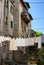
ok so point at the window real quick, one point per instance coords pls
(6, 20)
(36, 45)
(4, 48)
(22, 24)
(6, 3)
(24, 27)
(11, 9)
(30, 25)
(11, 24)
(0, 22)
(6, 11)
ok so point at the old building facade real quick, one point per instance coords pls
(15, 18)
(15, 22)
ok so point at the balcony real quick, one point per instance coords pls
(19, 42)
(26, 17)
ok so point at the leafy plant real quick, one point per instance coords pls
(37, 33)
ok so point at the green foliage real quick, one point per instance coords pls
(37, 33)
(41, 51)
(43, 59)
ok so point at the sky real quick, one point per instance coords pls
(37, 12)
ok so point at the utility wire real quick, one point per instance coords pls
(38, 29)
(36, 2)
(38, 18)
(30, 2)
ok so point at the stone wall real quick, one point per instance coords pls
(1, 16)
(10, 18)
(16, 19)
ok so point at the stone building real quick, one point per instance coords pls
(22, 19)
(15, 22)
(15, 18)
(6, 17)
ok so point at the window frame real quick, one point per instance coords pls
(11, 24)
